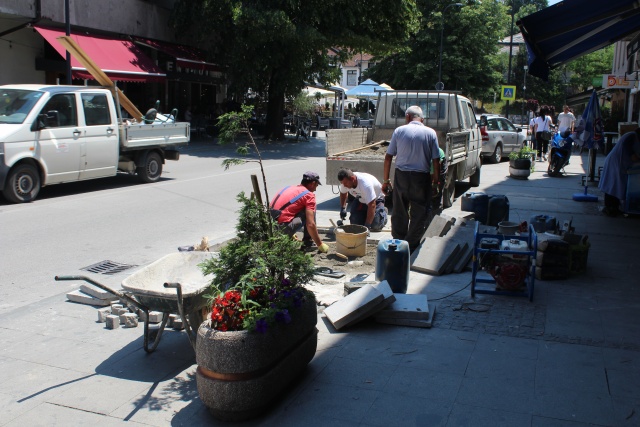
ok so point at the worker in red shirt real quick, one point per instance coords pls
(295, 208)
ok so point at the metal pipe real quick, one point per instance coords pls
(68, 32)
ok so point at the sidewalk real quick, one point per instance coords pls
(569, 358)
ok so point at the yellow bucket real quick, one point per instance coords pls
(351, 240)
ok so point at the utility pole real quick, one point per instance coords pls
(68, 31)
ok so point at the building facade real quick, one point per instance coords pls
(178, 76)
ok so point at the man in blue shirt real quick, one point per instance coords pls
(415, 147)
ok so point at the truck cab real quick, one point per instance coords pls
(57, 134)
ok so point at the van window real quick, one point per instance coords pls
(61, 111)
(468, 118)
(96, 109)
(433, 108)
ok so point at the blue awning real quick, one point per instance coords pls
(572, 28)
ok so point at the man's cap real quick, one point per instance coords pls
(311, 176)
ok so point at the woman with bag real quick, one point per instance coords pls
(542, 127)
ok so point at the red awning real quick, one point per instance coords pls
(186, 56)
(121, 60)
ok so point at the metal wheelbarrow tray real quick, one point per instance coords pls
(172, 284)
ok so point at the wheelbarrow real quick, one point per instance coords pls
(174, 283)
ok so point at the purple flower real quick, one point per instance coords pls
(287, 294)
(261, 326)
(286, 282)
(283, 316)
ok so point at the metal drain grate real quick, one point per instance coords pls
(108, 267)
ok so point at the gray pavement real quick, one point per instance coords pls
(569, 358)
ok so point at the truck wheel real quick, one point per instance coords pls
(152, 168)
(23, 184)
(474, 180)
(448, 191)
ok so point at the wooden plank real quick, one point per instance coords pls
(99, 75)
(353, 150)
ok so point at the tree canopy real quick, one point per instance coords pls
(274, 47)
(470, 45)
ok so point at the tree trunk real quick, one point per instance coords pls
(274, 128)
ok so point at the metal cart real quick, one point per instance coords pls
(518, 266)
(172, 284)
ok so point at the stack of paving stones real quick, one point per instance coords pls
(115, 313)
(376, 300)
(447, 246)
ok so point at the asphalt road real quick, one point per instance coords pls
(72, 226)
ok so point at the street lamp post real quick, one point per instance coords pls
(524, 92)
(440, 85)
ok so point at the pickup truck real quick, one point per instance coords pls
(57, 134)
(452, 117)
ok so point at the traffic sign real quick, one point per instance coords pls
(508, 93)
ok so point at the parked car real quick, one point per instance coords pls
(499, 138)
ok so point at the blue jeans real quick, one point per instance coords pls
(359, 214)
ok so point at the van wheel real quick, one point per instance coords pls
(449, 189)
(152, 168)
(23, 184)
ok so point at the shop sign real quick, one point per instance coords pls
(611, 81)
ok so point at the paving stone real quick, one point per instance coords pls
(155, 316)
(98, 293)
(350, 287)
(103, 313)
(178, 323)
(354, 307)
(418, 323)
(129, 320)
(439, 226)
(113, 321)
(115, 308)
(389, 297)
(433, 256)
(142, 316)
(82, 298)
(407, 306)
(172, 318)
(122, 311)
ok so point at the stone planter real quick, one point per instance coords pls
(520, 168)
(240, 373)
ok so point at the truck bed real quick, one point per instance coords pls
(138, 135)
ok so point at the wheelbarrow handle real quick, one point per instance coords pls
(120, 295)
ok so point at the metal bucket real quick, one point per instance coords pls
(508, 227)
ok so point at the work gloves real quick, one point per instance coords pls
(324, 248)
(343, 213)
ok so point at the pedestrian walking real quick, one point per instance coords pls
(566, 120)
(415, 147)
(542, 129)
(367, 208)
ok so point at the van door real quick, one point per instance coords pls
(58, 145)
(474, 143)
(100, 147)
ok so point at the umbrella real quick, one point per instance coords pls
(386, 86)
(311, 91)
(366, 88)
(590, 128)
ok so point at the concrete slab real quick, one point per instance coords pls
(98, 293)
(406, 306)
(354, 307)
(82, 298)
(439, 226)
(389, 297)
(433, 256)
